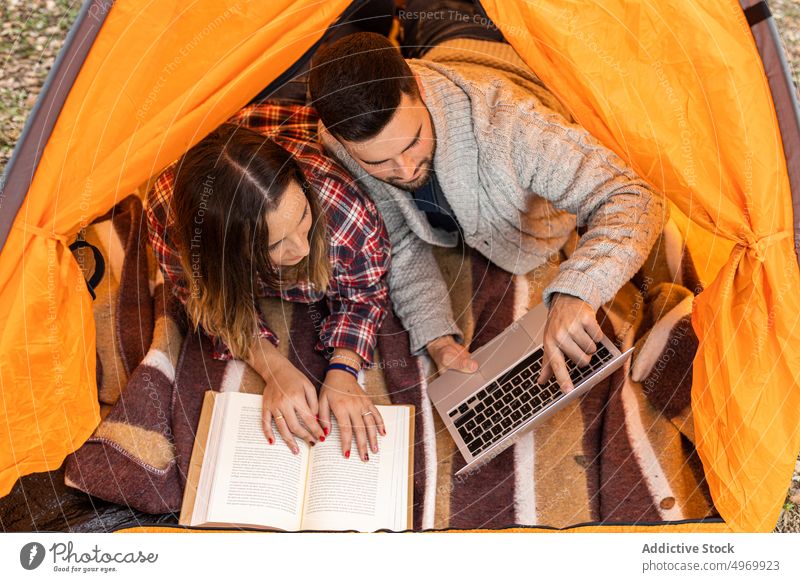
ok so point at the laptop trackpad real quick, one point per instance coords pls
(503, 351)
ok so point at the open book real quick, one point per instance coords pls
(236, 478)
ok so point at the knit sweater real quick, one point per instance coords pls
(519, 177)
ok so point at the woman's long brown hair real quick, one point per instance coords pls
(224, 188)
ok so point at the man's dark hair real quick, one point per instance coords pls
(356, 84)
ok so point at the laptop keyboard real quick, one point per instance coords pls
(513, 398)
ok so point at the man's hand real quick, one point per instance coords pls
(572, 331)
(451, 355)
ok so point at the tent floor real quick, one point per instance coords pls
(42, 503)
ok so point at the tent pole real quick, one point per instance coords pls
(784, 96)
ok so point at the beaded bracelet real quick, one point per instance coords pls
(345, 368)
(345, 358)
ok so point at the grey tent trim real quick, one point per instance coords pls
(21, 168)
(784, 97)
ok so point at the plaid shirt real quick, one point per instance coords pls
(359, 246)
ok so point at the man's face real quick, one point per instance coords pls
(401, 154)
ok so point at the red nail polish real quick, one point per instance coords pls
(322, 439)
(347, 454)
(326, 430)
(271, 440)
(313, 443)
(366, 457)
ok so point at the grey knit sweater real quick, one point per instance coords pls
(517, 175)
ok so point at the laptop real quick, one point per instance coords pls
(488, 410)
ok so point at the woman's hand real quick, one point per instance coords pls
(290, 398)
(354, 411)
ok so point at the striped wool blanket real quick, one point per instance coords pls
(621, 454)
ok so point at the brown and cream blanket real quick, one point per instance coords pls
(622, 454)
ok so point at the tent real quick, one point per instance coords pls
(694, 95)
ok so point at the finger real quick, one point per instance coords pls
(379, 424)
(571, 350)
(450, 355)
(545, 373)
(312, 427)
(447, 359)
(468, 365)
(283, 429)
(372, 430)
(593, 328)
(457, 358)
(345, 432)
(266, 425)
(325, 414)
(361, 435)
(560, 370)
(295, 426)
(584, 341)
(311, 398)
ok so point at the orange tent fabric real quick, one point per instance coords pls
(673, 88)
(678, 89)
(128, 115)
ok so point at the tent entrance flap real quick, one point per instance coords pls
(127, 114)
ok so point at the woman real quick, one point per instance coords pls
(255, 209)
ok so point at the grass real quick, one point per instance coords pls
(31, 35)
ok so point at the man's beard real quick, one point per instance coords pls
(418, 183)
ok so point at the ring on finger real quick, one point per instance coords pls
(367, 413)
(279, 417)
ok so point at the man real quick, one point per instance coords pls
(466, 144)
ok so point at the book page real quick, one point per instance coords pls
(255, 483)
(209, 458)
(349, 494)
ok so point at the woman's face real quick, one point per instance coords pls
(289, 226)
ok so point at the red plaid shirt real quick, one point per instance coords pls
(359, 246)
